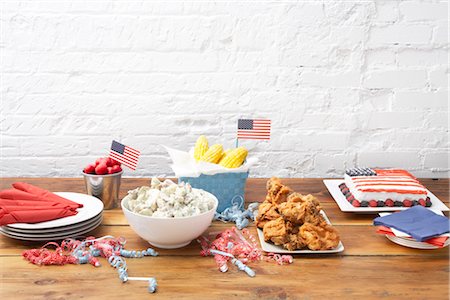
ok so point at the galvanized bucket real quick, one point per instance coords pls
(104, 187)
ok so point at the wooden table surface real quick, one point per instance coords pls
(370, 267)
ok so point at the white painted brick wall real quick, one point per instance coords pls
(346, 83)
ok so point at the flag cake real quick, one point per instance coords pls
(383, 187)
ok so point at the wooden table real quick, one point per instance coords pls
(370, 267)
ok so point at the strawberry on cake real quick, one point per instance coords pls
(383, 187)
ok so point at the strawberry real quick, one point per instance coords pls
(101, 169)
(373, 203)
(110, 170)
(98, 161)
(90, 169)
(422, 202)
(116, 169)
(389, 202)
(115, 162)
(356, 203)
(407, 203)
(109, 162)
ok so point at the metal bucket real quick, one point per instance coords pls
(104, 187)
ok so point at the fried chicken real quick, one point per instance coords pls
(300, 212)
(276, 231)
(266, 212)
(323, 237)
(294, 220)
(276, 191)
(297, 197)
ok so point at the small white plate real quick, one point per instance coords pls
(269, 247)
(345, 206)
(55, 237)
(91, 207)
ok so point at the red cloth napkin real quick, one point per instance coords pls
(18, 195)
(34, 215)
(436, 241)
(13, 202)
(44, 194)
(30, 204)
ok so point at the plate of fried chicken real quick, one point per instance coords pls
(289, 222)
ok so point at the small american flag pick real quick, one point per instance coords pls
(125, 155)
(254, 129)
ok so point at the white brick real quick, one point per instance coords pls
(421, 100)
(419, 11)
(421, 58)
(380, 57)
(396, 79)
(440, 33)
(401, 139)
(332, 163)
(437, 160)
(387, 11)
(438, 120)
(439, 78)
(388, 120)
(408, 160)
(378, 100)
(327, 79)
(401, 34)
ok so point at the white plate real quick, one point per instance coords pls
(402, 234)
(269, 247)
(54, 238)
(414, 244)
(91, 207)
(54, 231)
(345, 206)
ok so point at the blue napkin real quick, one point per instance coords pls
(419, 222)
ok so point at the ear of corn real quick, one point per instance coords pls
(201, 146)
(213, 155)
(225, 153)
(235, 158)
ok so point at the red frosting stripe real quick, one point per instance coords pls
(393, 172)
(415, 192)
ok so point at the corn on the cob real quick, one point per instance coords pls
(213, 155)
(225, 153)
(235, 158)
(201, 146)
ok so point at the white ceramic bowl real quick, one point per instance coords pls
(169, 233)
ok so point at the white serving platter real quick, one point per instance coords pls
(345, 206)
(92, 206)
(47, 237)
(269, 247)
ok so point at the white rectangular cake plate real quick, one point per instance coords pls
(271, 248)
(345, 206)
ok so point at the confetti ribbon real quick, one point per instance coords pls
(73, 251)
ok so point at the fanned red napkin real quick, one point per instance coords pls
(18, 195)
(30, 204)
(44, 194)
(436, 241)
(34, 216)
(13, 202)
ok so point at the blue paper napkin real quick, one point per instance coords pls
(419, 222)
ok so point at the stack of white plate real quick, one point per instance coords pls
(406, 240)
(87, 219)
(412, 243)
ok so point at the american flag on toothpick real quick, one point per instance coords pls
(125, 155)
(254, 129)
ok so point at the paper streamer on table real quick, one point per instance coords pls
(184, 165)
